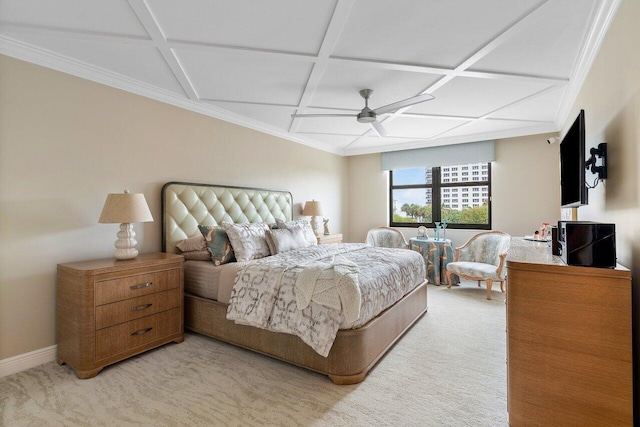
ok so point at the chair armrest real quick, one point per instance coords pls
(501, 265)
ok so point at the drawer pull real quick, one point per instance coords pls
(141, 307)
(141, 285)
(141, 331)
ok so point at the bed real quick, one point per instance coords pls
(358, 345)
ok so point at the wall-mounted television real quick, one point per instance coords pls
(573, 187)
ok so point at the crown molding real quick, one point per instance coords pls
(604, 16)
(546, 127)
(26, 52)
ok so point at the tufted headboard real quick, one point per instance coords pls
(186, 205)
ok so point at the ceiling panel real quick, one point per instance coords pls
(437, 33)
(547, 45)
(340, 84)
(279, 117)
(487, 94)
(332, 125)
(336, 141)
(542, 108)
(114, 16)
(484, 126)
(281, 25)
(220, 76)
(423, 127)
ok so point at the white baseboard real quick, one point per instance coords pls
(25, 361)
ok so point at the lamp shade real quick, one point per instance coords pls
(312, 208)
(125, 208)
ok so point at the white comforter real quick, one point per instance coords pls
(265, 294)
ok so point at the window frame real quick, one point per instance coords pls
(438, 183)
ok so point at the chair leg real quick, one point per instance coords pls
(478, 283)
(489, 284)
(448, 279)
(502, 286)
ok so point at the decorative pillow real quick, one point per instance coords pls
(283, 240)
(309, 235)
(248, 240)
(195, 243)
(218, 243)
(203, 255)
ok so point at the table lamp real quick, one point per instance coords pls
(125, 208)
(314, 210)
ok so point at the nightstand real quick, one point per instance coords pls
(109, 310)
(330, 238)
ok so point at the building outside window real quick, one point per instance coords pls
(422, 196)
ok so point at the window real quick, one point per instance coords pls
(422, 196)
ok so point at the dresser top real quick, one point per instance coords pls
(105, 265)
(522, 252)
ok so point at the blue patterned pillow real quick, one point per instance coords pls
(218, 243)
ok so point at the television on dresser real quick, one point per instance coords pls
(573, 187)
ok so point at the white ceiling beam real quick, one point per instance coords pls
(150, 24)
(338, 20)
(46, 31)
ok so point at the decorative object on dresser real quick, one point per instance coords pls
(481, 258)
(125, 208)
(108, 310)
(569, 341)
(326, 226)
(329, 238)
(314, 210)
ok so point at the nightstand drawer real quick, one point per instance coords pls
(128, 336)
(134, 308)
(107, 291)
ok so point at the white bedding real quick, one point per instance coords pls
(264, 293)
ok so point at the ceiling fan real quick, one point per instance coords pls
(367, 115)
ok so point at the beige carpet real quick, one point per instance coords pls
(448, 370)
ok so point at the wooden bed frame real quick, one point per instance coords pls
(354, 351)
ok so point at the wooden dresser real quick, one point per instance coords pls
(108, 310)
(568, 341)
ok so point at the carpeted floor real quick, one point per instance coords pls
(448, 370)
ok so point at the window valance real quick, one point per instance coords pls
(445, 155)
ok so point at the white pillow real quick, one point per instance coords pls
(283, 240)
(309, 235)
(248, 240)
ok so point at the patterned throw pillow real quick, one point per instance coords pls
(248, 240)
(309, 235)
(218, 243)
(283, 240)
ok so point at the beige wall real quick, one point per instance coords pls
(610, 97)
(66, 142)
(525, 190)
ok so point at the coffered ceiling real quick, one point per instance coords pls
(497, 68)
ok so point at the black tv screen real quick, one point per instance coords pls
(572, 160)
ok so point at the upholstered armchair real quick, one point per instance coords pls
(482, 258)
(386, 237)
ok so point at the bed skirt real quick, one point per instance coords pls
(354, 351)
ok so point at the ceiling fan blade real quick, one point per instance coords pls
(404, 103)
(323, 115)
(378, 128)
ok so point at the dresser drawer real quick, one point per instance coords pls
(127, 336)
(107, 291)
(134, 308)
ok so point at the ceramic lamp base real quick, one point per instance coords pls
(126, 243)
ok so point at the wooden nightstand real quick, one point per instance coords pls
(108, 310)
(331, 238)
